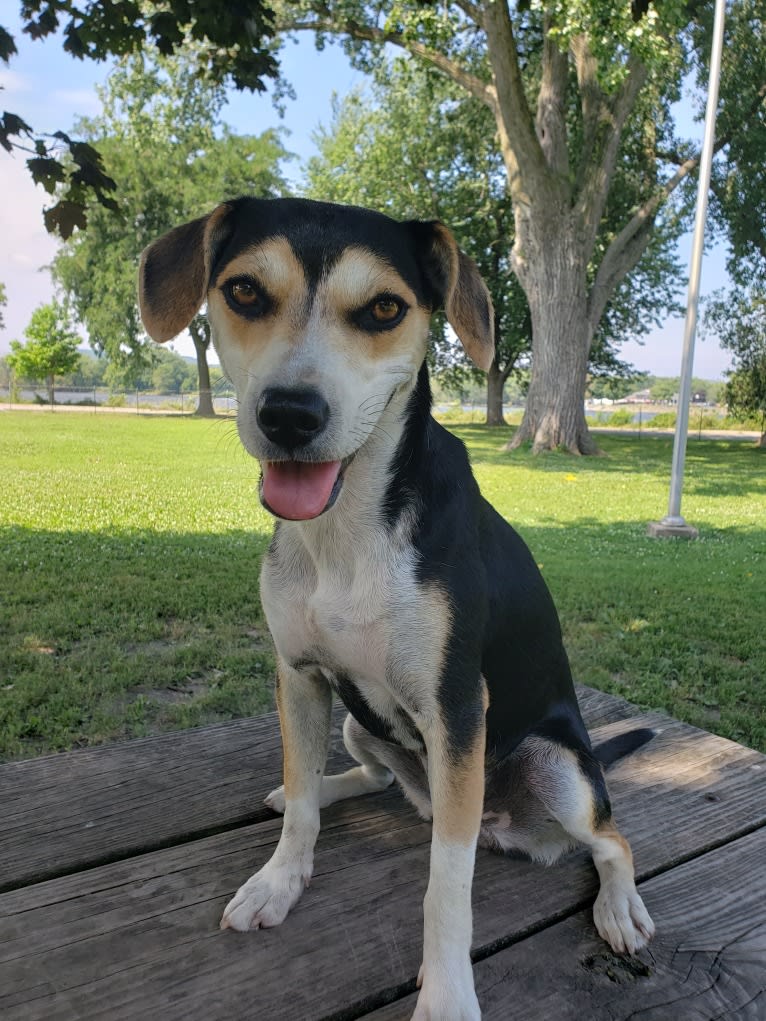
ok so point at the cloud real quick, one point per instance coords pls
(26, 248)
(14, 82)
(84, 101)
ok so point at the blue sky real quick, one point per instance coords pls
(50, 89)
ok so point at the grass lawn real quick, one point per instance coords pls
(129, 553)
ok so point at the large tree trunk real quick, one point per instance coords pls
(495, 383)
(50, 380)
(200, 333)
(554, 280)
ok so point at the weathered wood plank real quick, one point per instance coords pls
(64, 812)
(92, 806)
(138, 938)
(707, 961)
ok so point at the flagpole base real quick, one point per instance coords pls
(672, 528)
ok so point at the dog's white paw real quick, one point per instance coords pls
(276, 800)
(265, 899)
(446, 998)
(622, 920)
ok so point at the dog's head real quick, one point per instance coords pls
(320, 316)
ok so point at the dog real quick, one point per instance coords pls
(390, 582)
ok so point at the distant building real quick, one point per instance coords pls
(639, 397)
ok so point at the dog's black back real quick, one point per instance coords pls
(500, 600)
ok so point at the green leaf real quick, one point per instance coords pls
(47, 171)
(64, 217)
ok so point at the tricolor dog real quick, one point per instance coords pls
(390, 581)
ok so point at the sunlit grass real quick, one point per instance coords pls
(130, 550)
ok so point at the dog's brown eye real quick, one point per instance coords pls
(247, 297)
(385, 310)
(243, 293)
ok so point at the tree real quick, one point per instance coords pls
(51, 348)
(746, 393)
(738, 184)
(664, 388)
(576, 89)
(3, 303)
(615, 387)
(738, 201)
(422, 148)
(160, 134)
(740, 323)
(88, 373)
(231, 42)
(173, 375)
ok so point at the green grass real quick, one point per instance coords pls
(131, 546)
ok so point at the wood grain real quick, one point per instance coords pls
(707, 962)
(138, 938)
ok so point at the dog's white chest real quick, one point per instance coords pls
(341, 615)
(363, 619)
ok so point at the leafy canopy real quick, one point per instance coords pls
(232, 42)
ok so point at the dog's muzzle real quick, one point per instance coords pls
(296, 487)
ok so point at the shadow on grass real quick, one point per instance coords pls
(668, 623)
(107, 636)
(116, 635)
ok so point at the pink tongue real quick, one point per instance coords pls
(298, 490)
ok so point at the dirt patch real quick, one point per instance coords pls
(181, 694)
(259, 637)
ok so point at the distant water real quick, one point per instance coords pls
(592, 413)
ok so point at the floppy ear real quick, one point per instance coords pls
(174, 274)
(459, 289)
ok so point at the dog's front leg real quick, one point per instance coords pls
(304, 702)
(456, 780)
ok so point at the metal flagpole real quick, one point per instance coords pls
(673, 524)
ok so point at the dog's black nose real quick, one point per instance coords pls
(291, 418)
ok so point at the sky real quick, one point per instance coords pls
(50, 89)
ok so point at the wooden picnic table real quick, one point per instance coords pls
(116, 862)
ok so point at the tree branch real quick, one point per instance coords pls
(551, 123)
(628, 246)
(606, 120)
(615, 266)
(528, 170)
(591, 99)
(611, 270)
(371, 33)
(472, 11)
(670, 156)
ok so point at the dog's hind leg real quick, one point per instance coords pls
(568, 788)
(383, 757)
(379, 762)
(581, 805)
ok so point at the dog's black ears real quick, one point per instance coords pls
(174, 273)
(458, 288)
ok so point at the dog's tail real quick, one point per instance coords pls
(608, 752)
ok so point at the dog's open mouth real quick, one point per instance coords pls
(300, 490)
